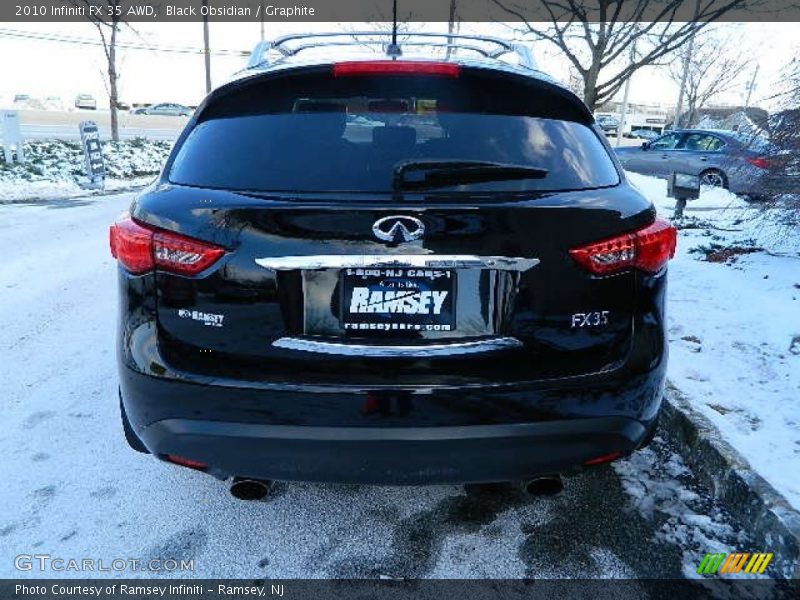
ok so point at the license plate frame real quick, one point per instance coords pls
(415, 306)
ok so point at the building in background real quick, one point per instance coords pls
(648, 117)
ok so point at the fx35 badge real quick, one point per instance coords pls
(596, 318)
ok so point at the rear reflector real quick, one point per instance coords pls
(140, 248)
(647, 249)
(598, 460)
(395, 67)
(186, 462)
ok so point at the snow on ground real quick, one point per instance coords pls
(734, 325)
(75, 490)
(54, 169)
(660, 485)
(38, 191)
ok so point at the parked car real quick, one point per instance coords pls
(742, 164)
(85, 102)
(307, 296)
(28, 102)
(53, 103)
(608, 124)
(167, 109)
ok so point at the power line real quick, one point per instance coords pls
(66, 39)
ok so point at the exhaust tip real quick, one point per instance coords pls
(546, 485)
(250, 489)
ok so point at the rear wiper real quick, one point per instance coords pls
(441, 173)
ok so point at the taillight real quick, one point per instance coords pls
(131, 244)
(760, 162)
(141, 248)
(647, 249)
(182, 255)
(395, 67)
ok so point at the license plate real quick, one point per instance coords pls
(398, 299)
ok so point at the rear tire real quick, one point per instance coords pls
(130, 435)
(714, 178)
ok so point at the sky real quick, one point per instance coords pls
(49, 68)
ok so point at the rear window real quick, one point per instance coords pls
(316, 133)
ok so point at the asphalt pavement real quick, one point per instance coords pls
(73, 489)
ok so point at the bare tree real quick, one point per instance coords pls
(107, 16)
(712, 68)
(596, 35)
(784, 126)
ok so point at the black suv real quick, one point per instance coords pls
(391, 270)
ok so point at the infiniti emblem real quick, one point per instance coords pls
(398, 229)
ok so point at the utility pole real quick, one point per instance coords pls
(624, 113)
(750, 87)
(687, 59)
(451, 26)
(262, 20)
(206, 48)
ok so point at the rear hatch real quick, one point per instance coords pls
(394, 224)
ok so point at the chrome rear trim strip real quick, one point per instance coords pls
(370, 261)
(398, 351)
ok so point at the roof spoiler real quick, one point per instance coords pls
(488, 47)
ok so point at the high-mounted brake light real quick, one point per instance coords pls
(395, 67)
(140, 248)
(647, 249)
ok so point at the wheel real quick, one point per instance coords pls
(714, 178)
(130, 435)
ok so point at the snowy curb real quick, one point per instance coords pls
(769, 520)
(86, 194)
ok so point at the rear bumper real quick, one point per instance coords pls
(405, 456)
(422, 436)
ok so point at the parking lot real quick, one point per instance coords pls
(74, 489)
(63, 125)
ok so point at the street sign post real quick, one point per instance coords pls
(93, 154)
(12, 137)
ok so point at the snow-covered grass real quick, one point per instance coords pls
(54, 168)
(734, 324)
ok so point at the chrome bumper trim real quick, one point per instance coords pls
(398, 351)
(371, 261)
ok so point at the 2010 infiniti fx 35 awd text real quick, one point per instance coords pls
(393, 270)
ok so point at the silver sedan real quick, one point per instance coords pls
(743, 164)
